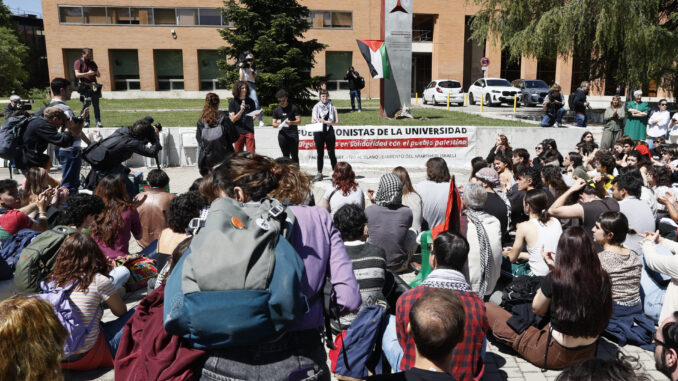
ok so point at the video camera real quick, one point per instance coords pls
(25, 105)
(243, 61)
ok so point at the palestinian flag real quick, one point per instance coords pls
(374, 52)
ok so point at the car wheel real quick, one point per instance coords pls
(423, 99)
(525, 102)
(471, 101)
(488, 100)
(433, 100)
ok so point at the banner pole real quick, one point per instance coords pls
(382, 36)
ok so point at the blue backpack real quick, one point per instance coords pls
(11, 133)
(361, 347)
(67, 313)
(11, 247)
(240, 281)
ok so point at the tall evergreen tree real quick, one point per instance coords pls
(272, 30)
(13, 55)
(631, 42)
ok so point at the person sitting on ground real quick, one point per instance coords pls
(553, 182)
(114, 227)
(497, 203)
(344, 190)
(153, 208)
(627, 146)
(501, 146)
(551, 145)
(448, 258)
(576, 293)
(37, 181)
(526, 179)
(666, 349)
(520, 155)
(504, 167)
(13, 218)
(624, 266)
(369, 261)
(437, 327)
(411, 198)
(434, 192)
(663, 264)
(389, 221)
(484, 236)
(541, 231)
(31, 340)
(80, 260)
(646, 193)
(620, 367)
(627, 189)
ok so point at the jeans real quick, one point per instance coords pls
(94, 103)
(295, 357)
(253, 96)
(390, 345)
(549, 120)
(355, 94)
(582, 119)
(71, 162)
(652, 293)
(113, 330)
(289, 145)
(321, 139)
(119, 276)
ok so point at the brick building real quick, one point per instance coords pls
(155, 45)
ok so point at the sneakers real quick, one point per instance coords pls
(99, 124)
(318, 177)
(560, 125)
(261, 123)
(86, 124)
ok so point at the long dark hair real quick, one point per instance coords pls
(538, 202)
(554, 179)
(109, 223)
(78, 258)
(210, 111)
(404, 177)
(582, 291)
(256, 175)
(343, 178)
(615, 223)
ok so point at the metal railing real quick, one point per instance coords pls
(170, 84)
(127, 84)
(422, 35)
(337, 84)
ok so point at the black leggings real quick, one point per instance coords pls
(321, 139)
(289, 145)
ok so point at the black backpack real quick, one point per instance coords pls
(216, 142)
(361, 82)
(570, 100)
(105, 154)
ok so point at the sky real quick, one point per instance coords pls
(24, 6)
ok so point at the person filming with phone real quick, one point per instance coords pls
(239, 110)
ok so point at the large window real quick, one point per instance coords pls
(125, 68)
(336, 66)
(143, 16)
(209, 71)
(169, 69)
(331, 19)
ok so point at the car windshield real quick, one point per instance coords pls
(536, 84)
(498, 82)
(449, 84)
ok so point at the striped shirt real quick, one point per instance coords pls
(89, 302)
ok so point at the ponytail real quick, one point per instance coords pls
(538, 202)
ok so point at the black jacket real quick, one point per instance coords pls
(118, 147)
(353, 82)
(217, 143)
(579, 101)
(38, 135)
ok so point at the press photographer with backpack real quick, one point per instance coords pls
(355, 84)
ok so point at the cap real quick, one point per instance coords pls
(14, 98)
(488, 175)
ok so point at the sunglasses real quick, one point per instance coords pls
(662, 104)
(538, 148)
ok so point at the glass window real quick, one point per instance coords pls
(498, 82)
(208, 69)
(187, 16)
(141, 16)
(125, 69)
(118, 15)
(165, 16)
(169, 69)
(209, 16)
(336, 64)
(94, 15)
(342, 20)
(536, 84)
(70, 15)
(449, 84)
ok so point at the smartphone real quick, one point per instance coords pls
(304, 373)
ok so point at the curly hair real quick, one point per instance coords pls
(256, 175)
(78, 258)
(32, 340)
(109, 223)
(350, 220)
(184, 208)
(343, 178)
(236, 89)
(293, 185)
(554, 179)
(210, 111)
(78, 207)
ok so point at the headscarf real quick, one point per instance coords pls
(390, 191)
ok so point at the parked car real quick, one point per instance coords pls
(533, 91)
(494, 91)
(436, 92)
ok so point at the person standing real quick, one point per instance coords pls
(86, 72)
(215, 134)
(324, 112)
(249, 73)
(355, 84)
(580, 104)
(659, 123)
(238, 108)
(614, 123)
(636, 119)
(287, 117)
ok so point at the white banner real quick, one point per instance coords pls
(386, 146)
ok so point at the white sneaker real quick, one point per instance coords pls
(261, 123)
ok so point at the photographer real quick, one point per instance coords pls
(86, 73)
(108, 155)
(40, 132)
(553, 105)
(14, 108)
(354, 86)
(249, 73)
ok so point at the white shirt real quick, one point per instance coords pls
(659, 124)
(337, 199)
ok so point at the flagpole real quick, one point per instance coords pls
(382, 37)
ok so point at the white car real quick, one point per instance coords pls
(494, 91)
(436, 92)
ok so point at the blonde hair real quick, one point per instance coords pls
(293, 184)
(31, 340)
(556, 87)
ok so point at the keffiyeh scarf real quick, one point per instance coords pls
(485, 249)
(447, 279)
(390, 191)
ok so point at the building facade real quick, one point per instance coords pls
(154, 45)
(32, 33)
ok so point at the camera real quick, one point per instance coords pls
(245, 61)
(77, 120)
(158, 126)
(25, 105)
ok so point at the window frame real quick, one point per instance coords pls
(152, 13)
(310, 19)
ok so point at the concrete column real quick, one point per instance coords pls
(493, 52)
(191, 70)
(528, 67)
(147, 77)
(102, 58)
(564, 73)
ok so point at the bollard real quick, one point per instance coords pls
(416, 98)
(465, 99)
(515, 102)
(481, 101)
(448, 101)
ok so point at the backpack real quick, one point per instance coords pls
(67, 313)
(104, 153)
(41, 111)
(11, 248)
(214, 146)
(241, 269)
(570, 100)
(37, 259)
(361, 82)
(11, 133)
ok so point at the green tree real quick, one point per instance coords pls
(13, 55)
(272, 30)
(632, 42)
